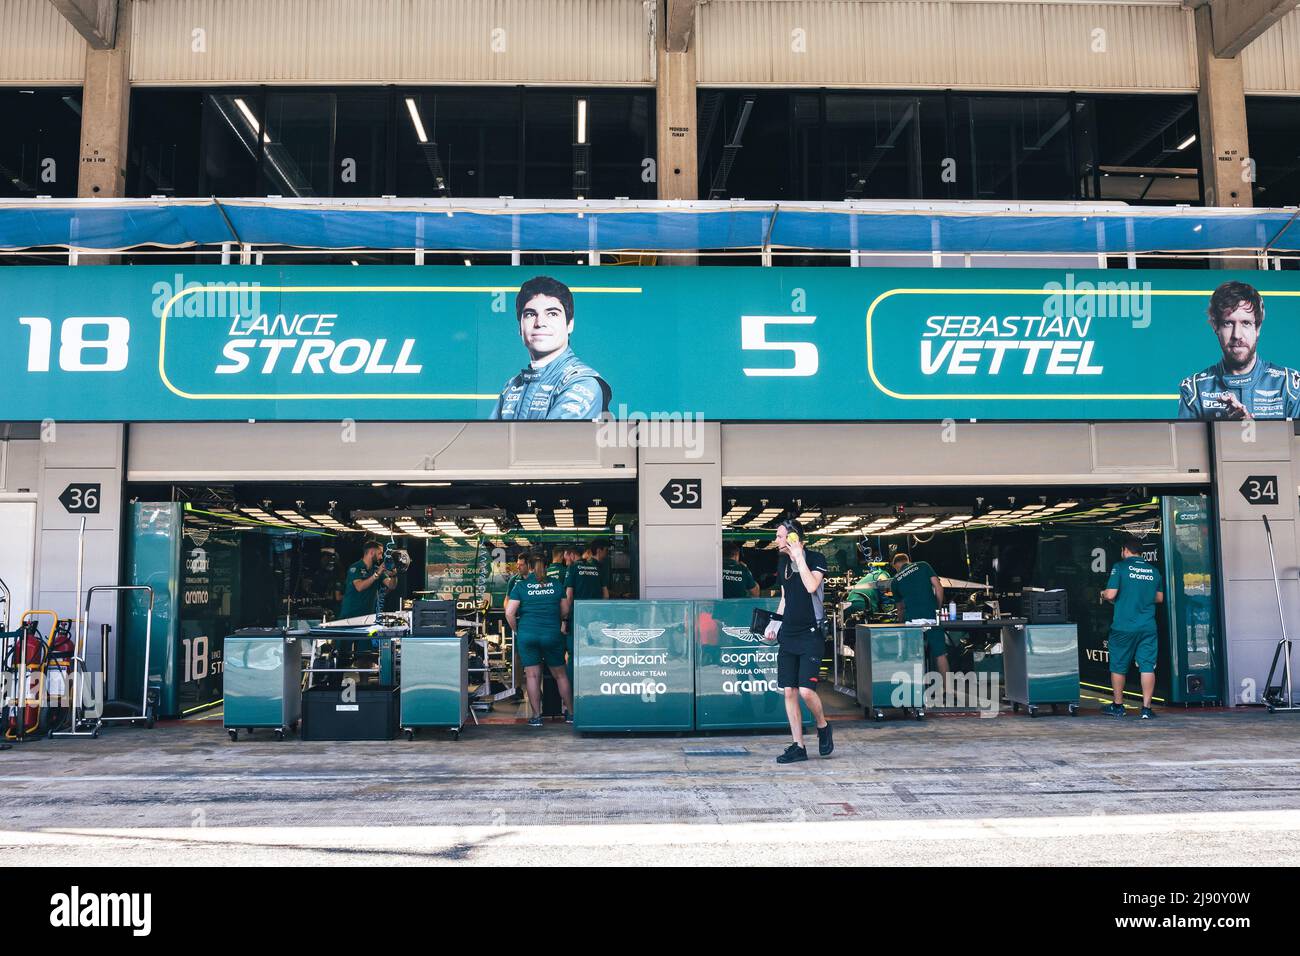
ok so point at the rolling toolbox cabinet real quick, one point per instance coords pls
(434, 684)
(1041, 666)
(263, 680)
(890, 669)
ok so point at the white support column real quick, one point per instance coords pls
(106, 100)
(81, 454)
(679, 492)
(675, 95)
(1243, 451)
(1221, 104)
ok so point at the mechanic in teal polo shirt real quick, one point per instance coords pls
(587, 579)
(362, 577)
(918, 592)
(361, 586)
(534, 611)
(523, 567)
(737, 580)
(559, 566)
(1135, 588)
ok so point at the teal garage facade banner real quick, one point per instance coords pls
(317, 343)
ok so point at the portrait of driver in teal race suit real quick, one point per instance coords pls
(1241, 385)
(555, 384)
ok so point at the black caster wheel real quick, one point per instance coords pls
(1032, 711)
(919, 715)
(1015, 707)
(1074, 710)
(878, 716)
(233, 735)
(279, 734)
(94, 734)
(455, 735)
(1271, 710)
(410, 735)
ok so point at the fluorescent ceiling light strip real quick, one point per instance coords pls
(414, 110)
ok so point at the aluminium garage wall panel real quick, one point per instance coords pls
(392, 41)
(38, 47)
(1272, 63)
(965, 454)
(937, 44)
(378, 451)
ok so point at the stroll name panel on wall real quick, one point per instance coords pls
(411, 343)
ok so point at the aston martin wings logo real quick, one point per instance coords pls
(740, 634)
(632, 635)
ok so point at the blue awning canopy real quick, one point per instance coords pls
(119, 225)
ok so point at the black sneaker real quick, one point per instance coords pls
(1113, 710)
(825, 743)
(568, 717)
(793, 754)
(1147, 714)
(535, 722)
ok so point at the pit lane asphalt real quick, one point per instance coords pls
(1198, 787)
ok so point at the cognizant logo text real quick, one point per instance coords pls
(633, 660)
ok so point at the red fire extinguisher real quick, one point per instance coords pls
(26, 662)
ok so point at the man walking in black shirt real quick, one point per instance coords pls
(801, 634)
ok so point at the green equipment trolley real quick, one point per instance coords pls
(1041, 664)
(434, 684)
(263, 681)
(889, 669)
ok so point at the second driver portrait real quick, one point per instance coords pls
(555, 384)
(1240, 385)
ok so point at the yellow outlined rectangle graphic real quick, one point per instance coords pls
(327, 396)
(871, 368)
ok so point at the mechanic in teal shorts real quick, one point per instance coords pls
(919, 595)
(1135, 588)
(534, 610)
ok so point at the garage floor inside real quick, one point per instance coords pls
(1192, 786)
